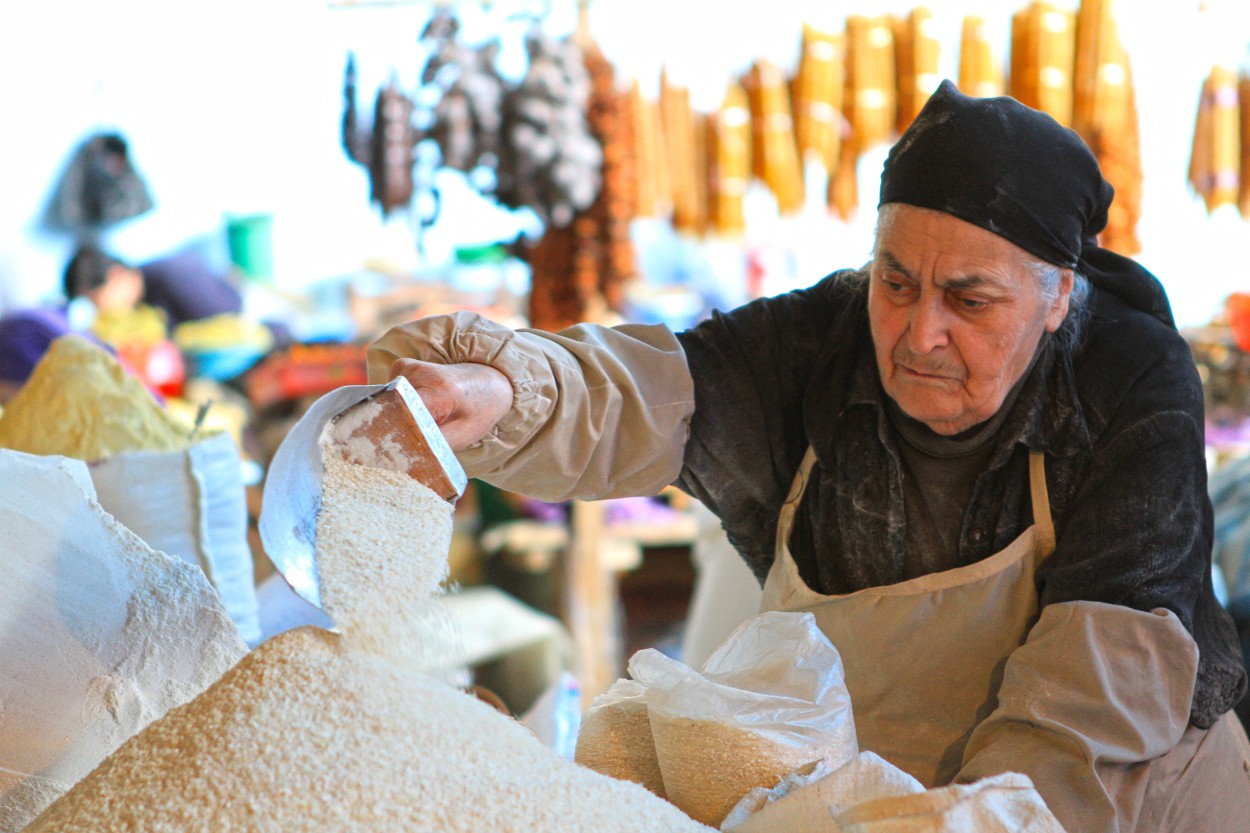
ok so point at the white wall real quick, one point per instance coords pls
(234, 106)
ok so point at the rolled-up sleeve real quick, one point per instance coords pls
(597, 411)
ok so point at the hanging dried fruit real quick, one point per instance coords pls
(391, 152)
(654, 189)
(579, 272)
(548, 161)
(869, 103)
(467, 117)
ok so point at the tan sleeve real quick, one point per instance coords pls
(597, 412)
(1094, 692)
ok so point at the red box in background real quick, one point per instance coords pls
(304, 370)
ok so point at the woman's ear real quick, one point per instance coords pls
(1059, 307)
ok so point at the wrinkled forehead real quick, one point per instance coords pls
(907, 237)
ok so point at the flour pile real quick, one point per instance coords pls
(103, 634)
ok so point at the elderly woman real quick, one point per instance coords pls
(978, 461)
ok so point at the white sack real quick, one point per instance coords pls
(806, 801)
(99, 634)
(1006, 803)
(771, 699)
(191, 504)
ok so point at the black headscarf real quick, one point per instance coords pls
(1017, 172)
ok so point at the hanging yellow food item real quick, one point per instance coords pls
(979, 71)
(868, 104)
(1216, 156)
(842, 195)
(1120, 158)
(729, 162)
(869, 101)
(775, 155)
(1042, 46)
(677, 124)
(1243, 201)
(652, 194)
(1104, 113)
(816, 94)
(916, 64)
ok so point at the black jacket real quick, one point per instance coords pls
(1114, 402)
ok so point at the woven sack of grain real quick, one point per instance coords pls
(806, 801)
(1006, 803)
(615, 737)
(770, 700)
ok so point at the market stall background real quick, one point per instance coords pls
(233, 109)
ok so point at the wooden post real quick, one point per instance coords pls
(590, 603)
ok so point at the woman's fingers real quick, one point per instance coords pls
(466, 399)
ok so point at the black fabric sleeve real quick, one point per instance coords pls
(750, 368)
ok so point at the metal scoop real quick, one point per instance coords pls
(384, 426)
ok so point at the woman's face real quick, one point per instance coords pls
(956, 315)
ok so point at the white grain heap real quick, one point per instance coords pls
(317, 732)
(308, 736)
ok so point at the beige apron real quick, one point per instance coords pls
(924, 660)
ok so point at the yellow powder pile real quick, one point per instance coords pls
(79, 402)
(307, 736)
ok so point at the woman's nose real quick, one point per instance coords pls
(929, 328)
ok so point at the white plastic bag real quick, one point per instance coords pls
(1006, 803)
(190, 504)
(806, 801)
(771, 699)
(615, 737)
(102, 634)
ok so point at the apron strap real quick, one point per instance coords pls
(785, 522)
(1043, 524)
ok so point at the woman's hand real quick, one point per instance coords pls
(466, 400)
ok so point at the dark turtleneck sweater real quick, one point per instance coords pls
(939, 476)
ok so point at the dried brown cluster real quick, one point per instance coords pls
(579, 271)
